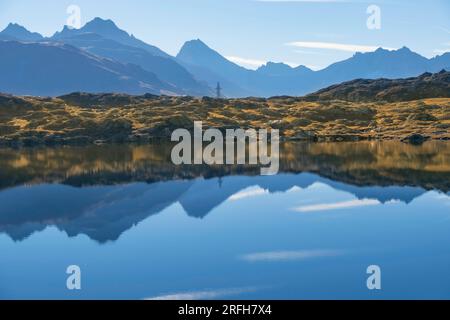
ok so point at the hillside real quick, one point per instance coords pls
(103, 38)
(425, 86)
(47, 69)
(362, 111)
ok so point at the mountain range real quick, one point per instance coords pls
(100, 57)
(52, 69)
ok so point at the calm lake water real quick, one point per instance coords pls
(140, 227)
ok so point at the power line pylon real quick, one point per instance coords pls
(218, 91)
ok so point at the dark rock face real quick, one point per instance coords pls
(425, 86)
(93, 100)
(415, 138)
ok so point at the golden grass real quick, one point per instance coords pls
(296, 118)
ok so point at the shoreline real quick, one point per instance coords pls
(415, 139)
(359, 163)
(86, 119)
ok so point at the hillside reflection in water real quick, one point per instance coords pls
(141, 227)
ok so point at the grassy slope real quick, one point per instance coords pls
(79, 119)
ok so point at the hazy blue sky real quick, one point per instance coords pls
(310, 32)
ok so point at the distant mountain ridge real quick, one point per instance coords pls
(104, 38)
(280, 79)
(16, 32)
(210, 66)
(50, 69)
(282, 69)
(197, 68)
(109, 30)
(101, 38)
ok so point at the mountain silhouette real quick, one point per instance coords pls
(15, 31)
(280, 79)
(402, 63)
(104, 38)
(197, 53)
(52, 69)
(281, 69)
(210, 66)
(109, 30)
(197, 68)
(440, 62)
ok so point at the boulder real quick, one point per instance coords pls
(415, 138)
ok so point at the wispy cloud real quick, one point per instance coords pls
(446, 49)
(254, 63)
(335, 46)
(441, 51)
(203, 295)
(442, 196)
(245, 62)
(248, 193)
(338, 205)
(274, 256)
(446, 30)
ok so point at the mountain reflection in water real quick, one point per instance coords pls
(225, 231)
(102, 191)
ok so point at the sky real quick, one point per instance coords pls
(314, 33)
